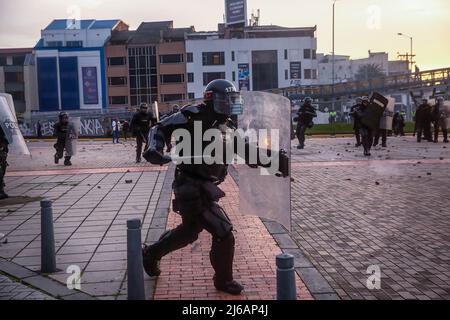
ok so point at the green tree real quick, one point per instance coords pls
(369, 71)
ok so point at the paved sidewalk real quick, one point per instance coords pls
(187, 273)
(350, 214)
(90, 213)
(13, 290)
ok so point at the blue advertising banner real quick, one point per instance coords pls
(296, 70)
(236, 12)
(90, 87)
(244, 76)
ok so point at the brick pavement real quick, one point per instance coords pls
(348, 215)
(187, 273)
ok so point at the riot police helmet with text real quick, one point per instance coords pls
(224, 97)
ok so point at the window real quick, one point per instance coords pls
(117, 81)
(286, 74)
(307, 53)
(74, 44)
(213, 58)
(14, 77)
(190, 77)
(2, 61)
(191, 96)
(18, 96)
(190, 57)
(171, 58)
(234, 76)
(143, 75)
(118, 100)
(307, 73)
(172, 97)
(171, 78)
(117, 61)
(232, 56)
(211, 76)
(285, 54)
(314, 54)
(310, 74)
(18, 60)
(54, 44)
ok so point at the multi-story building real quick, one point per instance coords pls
(17, 77)
(70, 64)
(346, 69)
(146, 65)
(253, 58)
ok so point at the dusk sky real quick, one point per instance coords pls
(360, 24)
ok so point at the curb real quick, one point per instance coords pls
(159, 219)
(41, 283)
(317, 285)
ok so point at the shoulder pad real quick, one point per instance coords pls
(189, 109)
(174, 119)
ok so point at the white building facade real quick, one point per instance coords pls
(253, 58)
(345, 69)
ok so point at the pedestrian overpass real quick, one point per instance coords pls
(438, 79)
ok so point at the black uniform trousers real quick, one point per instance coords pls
(437, 126)
(3, 165)
(141, 138)
(198, 213)
(380, 133)
(301, 130)
(367, 138)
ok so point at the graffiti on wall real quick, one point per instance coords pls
(89, 127)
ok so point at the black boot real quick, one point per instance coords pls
(3, 195)
(56, 158)
(151, 265)
(232, 287)
(67, 161)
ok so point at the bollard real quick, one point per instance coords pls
(134, 261)
(286, 288)
(48, 256)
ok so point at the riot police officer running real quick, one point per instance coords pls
(305, 114)
(366, 132)
(60, 130)
(140, 125)
(196, 185)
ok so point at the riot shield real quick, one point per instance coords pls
(73, 130)
(11, 130)
(446, 112)
(261, 192)
(373, 113)
(388, 115)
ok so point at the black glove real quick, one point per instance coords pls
(284, 163)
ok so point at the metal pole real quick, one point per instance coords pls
(48, 256)
(412, 55)
(286, 288)
(135, 274)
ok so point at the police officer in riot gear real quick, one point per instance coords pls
(3, 163)
(60, 130)
(366, 132)
(305, 114)
(196, 185)
(423, 121)
(438, 118)
(356, 121)
(140, 125)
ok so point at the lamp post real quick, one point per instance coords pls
(333, 57)
(411, 40)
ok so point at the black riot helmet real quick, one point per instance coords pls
(308, 100)
(224, 97)
(143, 107)
(63, 117)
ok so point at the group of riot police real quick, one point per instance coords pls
(429, 118)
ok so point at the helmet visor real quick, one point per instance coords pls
(228, 103)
